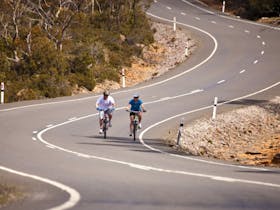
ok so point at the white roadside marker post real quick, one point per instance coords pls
(2, 92)
(123, 78)
(174, 24)
(187, 49)
(180, 132)
(224, 7)
(215, 108)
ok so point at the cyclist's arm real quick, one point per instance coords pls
(128, 108)
(97, 103)
(143, 108)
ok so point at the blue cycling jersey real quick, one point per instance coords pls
(136, 105)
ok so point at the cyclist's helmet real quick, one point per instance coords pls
(136, 95)
(106, 93)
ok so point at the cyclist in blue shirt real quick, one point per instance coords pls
(136, 105)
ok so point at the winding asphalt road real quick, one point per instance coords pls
(52, 150)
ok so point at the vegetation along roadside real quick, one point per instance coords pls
(49, 48)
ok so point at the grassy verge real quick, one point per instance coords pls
(8, 194)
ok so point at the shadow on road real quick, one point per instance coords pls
(127, 142)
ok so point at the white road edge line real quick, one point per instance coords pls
(144, 167)
(74, 195)
(207, 11)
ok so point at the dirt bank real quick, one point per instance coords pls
(249, 135)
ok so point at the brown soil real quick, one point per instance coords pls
(249, 135)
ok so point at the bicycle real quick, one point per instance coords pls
(105, 122)
(135, 123)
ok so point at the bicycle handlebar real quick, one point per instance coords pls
(136, 112)
(100, 109)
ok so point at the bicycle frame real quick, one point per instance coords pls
(104, 117)
(135, 123)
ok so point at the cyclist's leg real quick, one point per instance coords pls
(139, 116)
(139, 120)
(101, 115)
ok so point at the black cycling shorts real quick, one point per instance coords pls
(132, 114)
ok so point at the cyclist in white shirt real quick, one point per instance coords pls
(105, 103)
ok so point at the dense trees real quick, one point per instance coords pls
(48, 46)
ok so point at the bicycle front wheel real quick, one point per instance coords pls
(105, 129)
(134, 131)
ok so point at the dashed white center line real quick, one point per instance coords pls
(231, 26)
(262, 52)
(197, 18)
(196, 91)
(169, 8)
(263, 43)
(258, 36)
(182, 13)
(34, 139)
(256, 61)
(166, 98)
(214, 22)
(221, 81)
(242, 71)
(246, 31)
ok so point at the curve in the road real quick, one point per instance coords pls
(74, 196)
(145, 167)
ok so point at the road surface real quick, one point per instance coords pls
(52, 148)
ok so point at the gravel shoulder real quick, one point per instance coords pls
(249, 135)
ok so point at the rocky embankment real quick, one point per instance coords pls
(165, 53)
(249, 135)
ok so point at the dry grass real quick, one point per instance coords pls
(8, 194)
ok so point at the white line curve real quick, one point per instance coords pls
(74, 195)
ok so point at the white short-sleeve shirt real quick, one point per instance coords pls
(105, 104)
